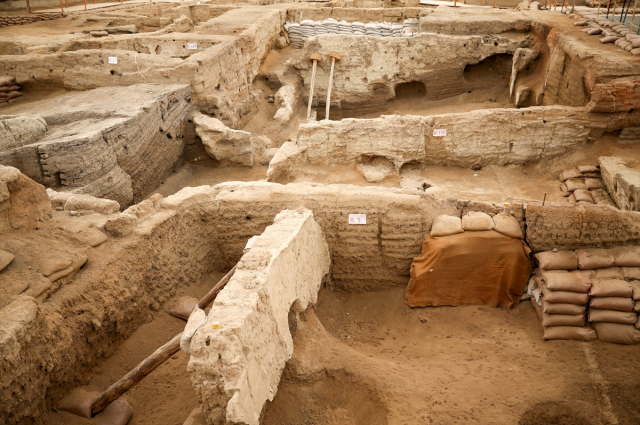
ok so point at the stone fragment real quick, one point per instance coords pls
(88, 202)
(122, 225)
(228, 146)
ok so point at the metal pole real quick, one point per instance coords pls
(315, 58)
(334, 57)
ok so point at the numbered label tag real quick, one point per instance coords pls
(113, 60)
(357, 219)
(192, 46)
(440, 132)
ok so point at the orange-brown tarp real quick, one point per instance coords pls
(470, 268)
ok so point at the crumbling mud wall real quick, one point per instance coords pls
(235, 369)
(372, 67)
(482, 137)
(120, 148)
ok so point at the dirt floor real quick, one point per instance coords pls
(367, 358)
(166, 396)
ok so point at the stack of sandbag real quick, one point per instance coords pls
(410, 27)
(295, 34)
(612, 309)
(307, 28)
(345, 28)
(561, 296)
(476, 221)
(583, 185)
(9, 90)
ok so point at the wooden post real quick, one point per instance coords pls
(28, 7)
(61, 8)
(555, 5)
(599, 5)
(314, 58)
(494, 3)
(334, 57)
(158, 357)
(85, 4)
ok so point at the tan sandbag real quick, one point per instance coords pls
(593, 184)
(575, 184)
(616, 333)
(476, 221)
(565, 191)
(562, 320)
(575, 281)
(631, 273)
(569, 174)
(612, 316)
(559, 260)
(636, 306)
(571, 199)
(635, 52)
(196, 417)
(183, 307)
(78, 402)
(51, 265)
(7, 81)
(635, 284)
(626, 256)
(445, 225)
(558, 308)
(563, 297)
(613, 303)
(610, 273)
(119, 412)
(5, 258)
(507, 225)
(591, 259)
(573, 333)
(610, 288)
(588, 169)
(609, 39)
(583, 195)
(13, 95)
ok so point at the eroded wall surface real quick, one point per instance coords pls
(235, 369)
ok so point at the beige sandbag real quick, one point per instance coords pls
(563, 297)
(565, 191)
(636, 306)
(559, 260)
(445, 225)
(591, 259)
(569, 174)
(571, 199)
(507, 225)
(583, 195)
(573, 333)
(575, 281)
(626, 256)
(558, 308)
(7, 81)
(612, 316)
(588, 169)
(609, 39)
(631, 273)
(562, 320)
(613, 303)
(477, 221)
(635, 284)
(610, 273)
(616, 333)
(575, 184)
(610, 288)
(183, 307)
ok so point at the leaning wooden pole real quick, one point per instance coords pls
(158, 357)
(61, 8)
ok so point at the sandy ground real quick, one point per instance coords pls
(367, 358)
(164, 397)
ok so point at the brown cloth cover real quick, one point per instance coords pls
(470, 268)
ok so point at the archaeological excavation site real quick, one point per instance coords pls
(344, 212)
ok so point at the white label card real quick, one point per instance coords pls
(357, 219)
(113, 60)
(192, 46)
(439, 132)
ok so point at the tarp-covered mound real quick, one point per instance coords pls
(470, 268)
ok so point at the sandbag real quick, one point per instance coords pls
(563, 297)
(565, 191)
(7, 81)
(616, 333)
(610, 273)
(445, 225)
(78, 402)
(575, 184)
(566, 281)
(608, 39)
(559, 260)
(588, 169)
(635, 284)
(574, 333)
(591, 259)
(507, 225)
(610, 288)
(183, 307)
(613, 303)
(636, 306)
(583, 195)
(612, 316)
(119, 412)
(13, 94)
(626, 256)
(476, 221)
(559, 308)
(569, 174)
(593, 184)
(197, 319)
(562, 320)
(631, 273)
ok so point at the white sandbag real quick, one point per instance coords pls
(445, 225)
(477, 221)
(197, 319)
(507, 225)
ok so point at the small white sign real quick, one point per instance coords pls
(357, 219)
(439, 132)
(113, 60)
(192, 46)
(198, 2)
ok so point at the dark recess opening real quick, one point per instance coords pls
(490, 70)
(413, 89)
